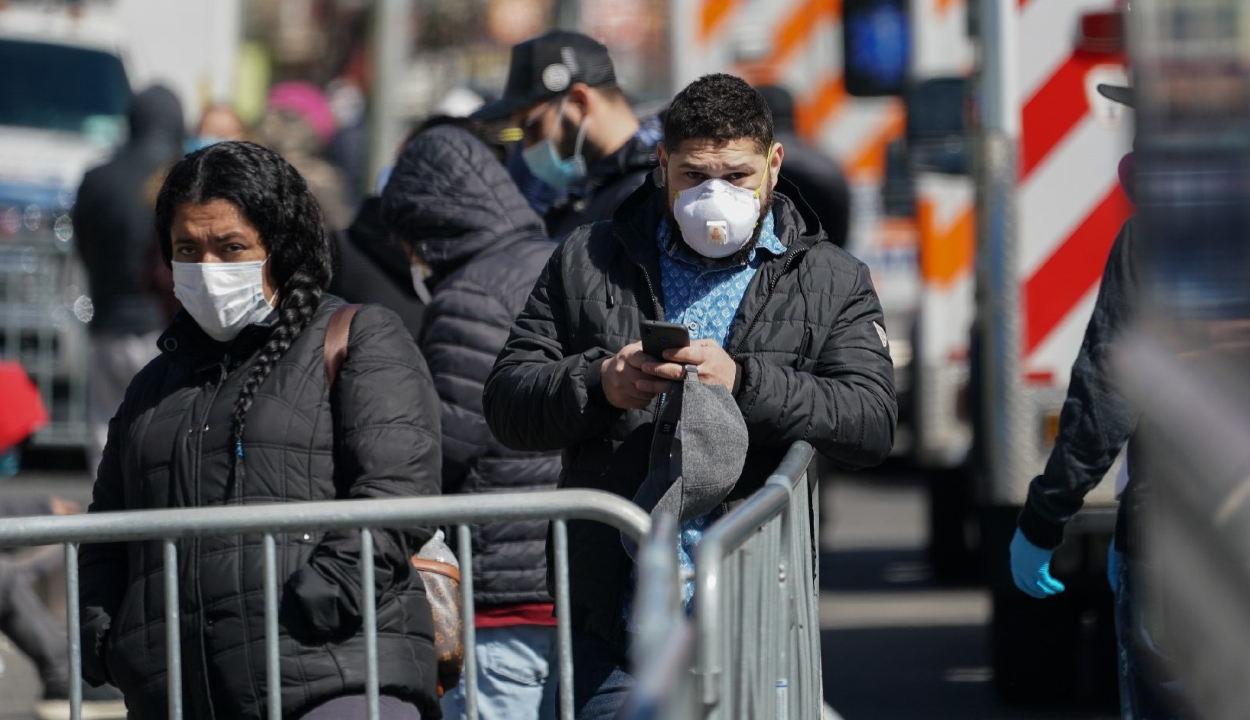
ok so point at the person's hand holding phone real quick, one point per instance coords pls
(715, 365)
(625, 384)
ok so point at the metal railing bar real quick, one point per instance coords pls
(564, 633)
(763, 505)
(397, 513)
(468, 676)
(659, 680)
(370, 602)
(74, 622)
(173, 637)
(273, 669)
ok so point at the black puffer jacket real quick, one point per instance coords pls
(375, 435)
(808, 338)
(608, 183)
(454, 201)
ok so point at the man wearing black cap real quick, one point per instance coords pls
(817, 176)
(580, 135)
(784, 325)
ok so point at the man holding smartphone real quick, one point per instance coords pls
(776, 313)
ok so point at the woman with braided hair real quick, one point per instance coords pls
(238, 410)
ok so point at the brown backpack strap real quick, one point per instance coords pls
(434, 566)
(338, 332)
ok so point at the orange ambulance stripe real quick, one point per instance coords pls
(812, 112)
(869, 163)
(714, 14)
(799, 25)
(946, 253)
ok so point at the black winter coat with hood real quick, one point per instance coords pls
(455, 202)
(113, 217)
(808, 338)
(374, 434)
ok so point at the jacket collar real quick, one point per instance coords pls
(184, 341)
(637, 221)
(638, 153)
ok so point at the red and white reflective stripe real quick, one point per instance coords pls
(1070, 205)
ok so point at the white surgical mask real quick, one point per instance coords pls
(223, 298)
(717, 218)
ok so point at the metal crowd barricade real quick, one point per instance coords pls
(754, 641)
(558, 506)
(756, 603)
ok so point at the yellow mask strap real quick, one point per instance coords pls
(768, 164)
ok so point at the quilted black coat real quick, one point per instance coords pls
(376, 434)
(455, 202)
(809, 340)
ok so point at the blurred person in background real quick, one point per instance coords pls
(218, 122)
(579, 134)
(816, 176)
(238, 410)
(298, 124)
(26, 621)
(451, 203)
(1095, 424)
(786, 322)
(348, 148)
(113, 226)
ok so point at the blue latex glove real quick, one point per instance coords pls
(1030, 568)
(1113, 567)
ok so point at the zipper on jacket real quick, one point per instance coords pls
(655, 299)
(772, 286)
(195, 573)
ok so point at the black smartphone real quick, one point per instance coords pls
(660, 336)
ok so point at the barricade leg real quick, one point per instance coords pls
(468, 676)
(74, 622)
(370, 621)
(273, 667)
(173, 636)
(564, 633)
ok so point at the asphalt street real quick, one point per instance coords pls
(896, 645)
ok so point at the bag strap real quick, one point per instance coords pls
(338, 333)
(439, 568)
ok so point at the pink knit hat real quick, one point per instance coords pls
(307, 101)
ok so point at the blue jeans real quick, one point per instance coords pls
(513, 664)
(601, 679)
(1147, 692)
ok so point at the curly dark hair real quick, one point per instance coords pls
(720, 108)
(274, 198)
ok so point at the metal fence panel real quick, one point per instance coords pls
(167, 526)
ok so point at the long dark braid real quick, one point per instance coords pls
(274, 198)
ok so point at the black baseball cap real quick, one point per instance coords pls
(1117, 93)
(546, 66)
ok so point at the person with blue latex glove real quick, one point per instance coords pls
(1030, 568)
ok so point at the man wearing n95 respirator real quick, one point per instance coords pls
(784, 326)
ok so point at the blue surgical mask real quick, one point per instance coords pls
(543, 160)
(538, 194)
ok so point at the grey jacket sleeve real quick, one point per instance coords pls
(1096, 421)
(538, 398)
(845, 405)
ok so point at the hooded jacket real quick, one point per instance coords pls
(808, 338)
(456, 204)
(170, 446)
(114, 215)
(372, 268)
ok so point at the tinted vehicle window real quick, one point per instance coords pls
(55, 87)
